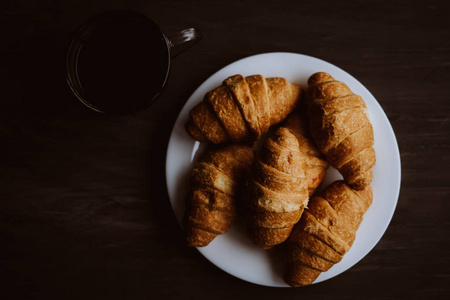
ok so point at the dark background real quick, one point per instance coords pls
(84, 211)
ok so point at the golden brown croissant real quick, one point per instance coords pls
(316, 164)
(215, 180)
(278, 191)
(242, 109)
(341, 128)
(325, 232)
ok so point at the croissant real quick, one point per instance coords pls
(211, 202)
(341, 128)
(278, 190)
(316, 164)
(242, 109)
(326, 231)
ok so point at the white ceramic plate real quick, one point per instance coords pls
(233, 252)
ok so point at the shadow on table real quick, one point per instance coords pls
(162, 210)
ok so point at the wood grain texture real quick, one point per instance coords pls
(84, 212)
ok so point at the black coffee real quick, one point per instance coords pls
(122, 65)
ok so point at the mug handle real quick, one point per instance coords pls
(183, 40)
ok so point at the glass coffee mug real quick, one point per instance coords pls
(119, 61)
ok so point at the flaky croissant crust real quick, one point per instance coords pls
(242, 109)
(325, 232)
(214, 187)
(278, 190)
(341, 129)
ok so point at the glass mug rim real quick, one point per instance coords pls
(83, 33)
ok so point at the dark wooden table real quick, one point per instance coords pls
(84, 212)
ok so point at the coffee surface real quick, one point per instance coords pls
(122, 65)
